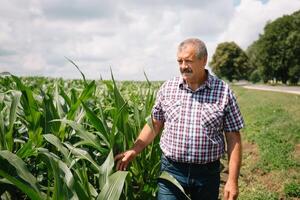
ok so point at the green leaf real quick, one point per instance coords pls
(97, 123)
(65, 96)
(150, 122)
(13, 109)
(86, 93)
(14, 169)
(149, 83)
(106, 169)
(57, 101)
(26, 150)
(118, 97)
(82, 154)
(166, 176)
(81, 191)
(113, 188)
(87, 137)
(3, 144)
(50, 113)
(63, 177)
(82, 74)
(57, 143)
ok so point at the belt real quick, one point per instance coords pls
(215, 163)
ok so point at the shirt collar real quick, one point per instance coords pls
(208, 83)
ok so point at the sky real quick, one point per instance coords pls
(129, 36)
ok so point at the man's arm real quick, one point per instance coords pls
(146, 136)
(234, 150)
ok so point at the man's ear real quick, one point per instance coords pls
(204, 60)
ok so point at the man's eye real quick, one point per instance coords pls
(179, 61)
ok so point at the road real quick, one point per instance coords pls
(285, 89)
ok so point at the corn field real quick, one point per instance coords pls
(58, 139)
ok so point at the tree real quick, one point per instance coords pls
(276, 52)
(230, 61)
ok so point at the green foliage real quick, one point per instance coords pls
(231, 62)
(259, 194)
(292, 189)
(166, 176)
(275, 151)
(276, 53)
(64, 135)
(273, 128)
(254, 76)
(15, 171)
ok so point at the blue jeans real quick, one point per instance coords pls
(199, 181)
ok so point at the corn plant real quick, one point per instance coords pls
(58, 138)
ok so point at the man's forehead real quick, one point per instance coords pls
(186, 52)
(188, 46)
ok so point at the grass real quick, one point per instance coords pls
(271, 163)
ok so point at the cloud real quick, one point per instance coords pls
(78, 9)
(250, 17)
(6, 52)
(128, 36)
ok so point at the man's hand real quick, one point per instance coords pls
(124, 158)
(146, 136)
(234, 150)
(231, 190)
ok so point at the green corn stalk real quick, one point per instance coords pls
(82, 124)
(15, 171)
(32, 114)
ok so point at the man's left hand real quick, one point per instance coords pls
(231, 190)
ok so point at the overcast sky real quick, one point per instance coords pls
(130, 36)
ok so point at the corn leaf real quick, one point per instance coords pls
(106, 169)
(82, 154)
(82, 74)
(88, 138)
(57, 143)
(97, 123)
(166, 176)
(3, 144)
(63, 177)
(113, 188)
(14, 169)
(26, 150)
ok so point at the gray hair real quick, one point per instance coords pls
(199, 45)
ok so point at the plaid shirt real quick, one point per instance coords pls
(194, 121)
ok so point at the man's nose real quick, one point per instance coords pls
(184, 65)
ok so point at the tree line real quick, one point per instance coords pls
(275, 56)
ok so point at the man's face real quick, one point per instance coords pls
(190, 66)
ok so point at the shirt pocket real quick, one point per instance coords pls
(172, 109)
(212, 116)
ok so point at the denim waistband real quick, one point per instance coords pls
(213, 164)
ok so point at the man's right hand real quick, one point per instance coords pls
(146, 136)
(124, 158)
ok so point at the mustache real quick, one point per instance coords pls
(186, 70)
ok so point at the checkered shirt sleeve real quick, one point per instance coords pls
(233, 120)
(157, 111)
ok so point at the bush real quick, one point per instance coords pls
(254, 77)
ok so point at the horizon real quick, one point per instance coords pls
(129, 37)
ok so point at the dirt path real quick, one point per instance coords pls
(285, 89)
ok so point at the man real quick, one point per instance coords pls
(195, 111)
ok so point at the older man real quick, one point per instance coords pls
(195, 111)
